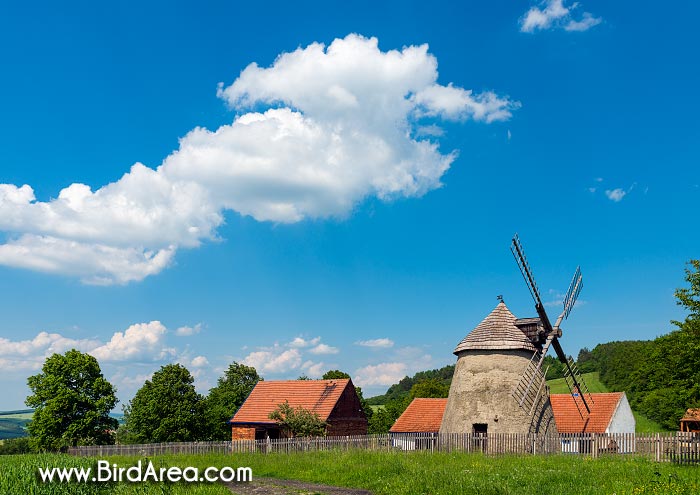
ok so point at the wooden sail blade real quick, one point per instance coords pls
(573, 292)
(519, 254)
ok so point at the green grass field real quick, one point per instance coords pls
(558, 386)
(390, 473)
(644, 424)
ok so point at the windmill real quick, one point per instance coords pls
(529, 388)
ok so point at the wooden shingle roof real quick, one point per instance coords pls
(497, 331)
(318, 396)
(569, 420)
(421, 415)
(691, 415)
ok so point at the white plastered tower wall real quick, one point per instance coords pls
(490, 362)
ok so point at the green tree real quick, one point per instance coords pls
(553, 367)
(429, 387)
(71, 401)
(385, 417)
(223, 401)
(167, 408)
(299, 422)
(586, 361)
(690, 298)
(335, 375)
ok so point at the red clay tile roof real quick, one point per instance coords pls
(421, 415)
(568, 419)
(496, 331)
(691, 415)
(318, 396)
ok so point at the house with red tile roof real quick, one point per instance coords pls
(691, 421)
(610, 414)
(418, 426)
(335, 401)
(421, 416)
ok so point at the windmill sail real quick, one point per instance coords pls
(532, 380)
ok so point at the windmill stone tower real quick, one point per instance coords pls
(491, 362)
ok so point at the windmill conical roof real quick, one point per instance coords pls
(496, 331)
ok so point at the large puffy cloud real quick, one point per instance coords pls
(141, 342)
(317, 132)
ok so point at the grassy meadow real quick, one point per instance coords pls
(559, 386)
(389, 473)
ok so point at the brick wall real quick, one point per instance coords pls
(242, 433)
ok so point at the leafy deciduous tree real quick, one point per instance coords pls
(299, 422)
(71, 401)
(167, 408)
(229, 394)
(430, 387)
(385, 417)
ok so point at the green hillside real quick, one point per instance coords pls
(13, 423)
(592, 380)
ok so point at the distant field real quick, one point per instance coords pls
(23, 415)
(13, 423)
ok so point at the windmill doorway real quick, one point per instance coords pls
(479, 436)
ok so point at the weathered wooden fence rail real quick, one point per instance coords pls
(673, 446)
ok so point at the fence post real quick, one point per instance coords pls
(658, 447)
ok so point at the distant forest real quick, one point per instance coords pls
(661, 377)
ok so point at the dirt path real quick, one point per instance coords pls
(272, 486)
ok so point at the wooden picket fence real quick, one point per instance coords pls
(678, 447)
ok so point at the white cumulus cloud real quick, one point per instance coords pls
(271, 361)
(139, 340)
(317, 132)
(380, 374)
(324, 349)
(299, 342)
(199, 362)
(382, 343)
(552, 14)
(187, 331)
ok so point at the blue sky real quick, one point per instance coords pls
(348, 201)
